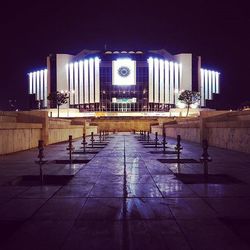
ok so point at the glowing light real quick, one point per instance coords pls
(150, 79)
(181, 105)
(194, 105)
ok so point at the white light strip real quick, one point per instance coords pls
(86, 82)
(176, 82)
(71, 83)
(34, 83)
(217, 83)
(150, 80)
(76, 82)
(210, 96)
(91, 80)
(45, 87)
(37, 86)
(161, 81)
(42, 86)
(167, 100)
(171, 89)
(30, 83)
(97, 80)
(156, 80)
(213, 82)
(202, 88)
(81, 82)
(206, 84)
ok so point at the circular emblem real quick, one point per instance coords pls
(124, 71)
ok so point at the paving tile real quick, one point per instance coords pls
(20, 209)
(210, 234)
(39, 235)
(74, 191)
(190, 208)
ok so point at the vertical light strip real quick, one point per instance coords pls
(34, 83)
(150, 80)
(161, 81)
(97, 80)
(91, 80)
(156, 80)
(171, 87)
(202, 88)
(206, 84)
(213, 82)
(167, 100)
(86, 81)
(30, 83)
(37, 86)
(81, 82)
(71, 83)
(45, 87)
(176, 82)
(210, 96)
(217, 83)
(76, 83)
(42, 86)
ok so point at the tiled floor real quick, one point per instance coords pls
(124, 198)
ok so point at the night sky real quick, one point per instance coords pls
(219, 32)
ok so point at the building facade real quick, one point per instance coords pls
(122, 80)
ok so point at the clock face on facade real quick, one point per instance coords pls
(123, 71)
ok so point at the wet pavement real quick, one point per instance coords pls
(126, 197)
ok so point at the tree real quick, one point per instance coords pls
(58, 98)
(189, 97)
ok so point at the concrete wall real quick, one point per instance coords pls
(124, 124)
(24, 129)
(230, 130)
(19, 136)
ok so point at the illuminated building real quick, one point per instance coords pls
(123, 80)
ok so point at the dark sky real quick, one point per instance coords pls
(219, 32)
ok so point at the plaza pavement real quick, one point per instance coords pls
(124, 198)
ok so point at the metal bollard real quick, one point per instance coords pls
(144, 135)
(84, 142)
(178, 147)
(205, 158)
(148, 137)
(100, 136)
(70, 148)
(103, 135)
(40, 159)
(92, 139)
(164, 142)
(156, 139)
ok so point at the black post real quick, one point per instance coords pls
(148, 136)
(205, 158)
(92, 139)
(178, 147)
(103, 135)
(70, 148)
(164, 142)
(156, 139)
(84, 142)
(100, 136)
(40, 157)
